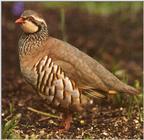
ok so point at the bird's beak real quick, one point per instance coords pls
(19, 20)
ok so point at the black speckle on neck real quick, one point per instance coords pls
(30, 42)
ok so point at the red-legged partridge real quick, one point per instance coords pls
(66, 78)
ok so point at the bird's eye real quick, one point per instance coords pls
(30, 18)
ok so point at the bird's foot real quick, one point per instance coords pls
(67, 119)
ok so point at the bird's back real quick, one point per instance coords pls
(85, 70)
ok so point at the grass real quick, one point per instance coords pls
(126, 100)
(11, 108)
(8, 128)
(96, 7)
(10, 123)
(63, 25)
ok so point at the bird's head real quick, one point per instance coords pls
(31, 22)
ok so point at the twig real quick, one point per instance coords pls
(43, 113)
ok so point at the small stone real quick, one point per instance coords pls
(51, 121)
(21, 104)
(121, 108)
(34, 136)
(109, 107)
(125, 119)
(26, 137)
(136, 121)
(74, 118)
(82, 122)
(91, 128)
(78, 129)
(42, 132)
(3, 114)
(91, 102)
(105, 133)
(94, 109)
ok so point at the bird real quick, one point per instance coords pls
(66, 78)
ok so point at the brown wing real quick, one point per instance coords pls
(83, 69)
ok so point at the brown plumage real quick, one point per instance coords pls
(62, 75)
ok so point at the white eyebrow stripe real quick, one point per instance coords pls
(39, 19)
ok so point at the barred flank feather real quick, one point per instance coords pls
(57, 88)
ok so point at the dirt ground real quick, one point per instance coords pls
(114, 40)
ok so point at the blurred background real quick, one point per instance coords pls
(110, 32)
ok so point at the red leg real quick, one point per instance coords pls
(67, 119)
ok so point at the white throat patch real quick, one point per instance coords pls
(29, 27)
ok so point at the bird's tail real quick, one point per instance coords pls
(112, 82)
(124, 88)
